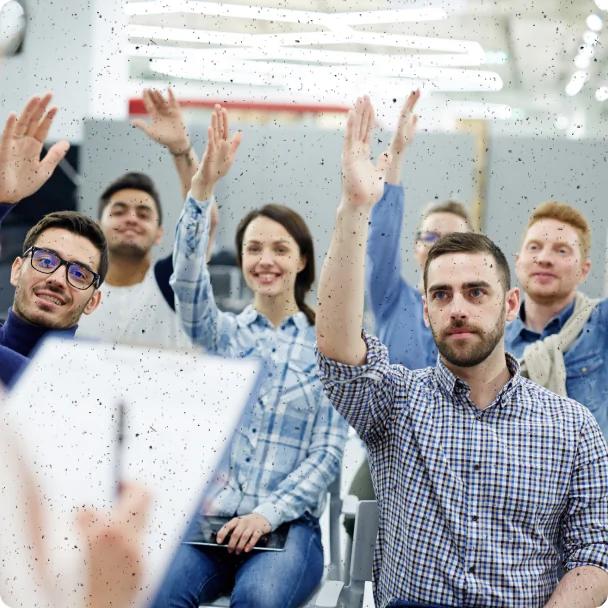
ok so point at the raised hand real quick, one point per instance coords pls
(218, 157)
(167, 125)
(403, 136)
(362, 181)
(22, 171)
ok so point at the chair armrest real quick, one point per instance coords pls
(328, 595)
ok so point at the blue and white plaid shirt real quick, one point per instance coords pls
(290, 449)
(477, 508)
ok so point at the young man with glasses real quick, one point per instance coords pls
(395, 304)
(65, 255)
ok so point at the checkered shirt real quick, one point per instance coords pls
(476, 508)
(289, 447)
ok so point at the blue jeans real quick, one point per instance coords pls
(260, 579)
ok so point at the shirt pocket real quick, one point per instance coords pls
(300, 391)
(583, 381)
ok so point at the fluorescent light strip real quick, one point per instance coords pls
(158, 34)
(219, 9)
(311, 56)
(264, 73)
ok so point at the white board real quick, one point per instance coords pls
(60, 424)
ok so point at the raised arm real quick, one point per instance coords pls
(168, 128)
(194, 300)
(22, 171)
(341, 287)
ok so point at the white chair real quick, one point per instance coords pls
(333, 568)
(357, 593)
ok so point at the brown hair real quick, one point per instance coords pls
(77, 223)
(449, 206)
(297, 228)
(554, 210)
(470, 242)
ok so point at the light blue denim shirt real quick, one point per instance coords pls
(586, 361)
(289, 447)
(396, 305)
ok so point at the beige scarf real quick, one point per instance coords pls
(543, 360)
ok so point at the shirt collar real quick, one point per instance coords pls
(451, 384)
(250, 315)
(554, 326)
(23, 337)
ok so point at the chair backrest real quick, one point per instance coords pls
(364, 541)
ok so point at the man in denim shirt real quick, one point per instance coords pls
(551, 265)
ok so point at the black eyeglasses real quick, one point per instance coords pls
(428, 237)
(47, 262)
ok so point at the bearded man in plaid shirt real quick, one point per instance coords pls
(492, 491)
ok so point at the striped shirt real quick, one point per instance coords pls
(476, 507)
(289, 447)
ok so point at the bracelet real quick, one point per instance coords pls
(184, 153)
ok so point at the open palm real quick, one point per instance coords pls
(166, 124)
(22, 171)
(362, 180)
(219, 154)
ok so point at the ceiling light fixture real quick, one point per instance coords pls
(602, 94)
(577, 81)
(594, 23)
(602, 4)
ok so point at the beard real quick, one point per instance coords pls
(474, 353)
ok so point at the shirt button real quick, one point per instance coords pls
(584, 370)
(247, 459)
(472, 570)
(254, 430)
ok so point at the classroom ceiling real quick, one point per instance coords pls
(528, 62)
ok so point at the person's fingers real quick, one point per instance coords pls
(235, 536)
(24, 119)
(226, 529)
(357, 119)
(410, 102)
(9, 131)
(53, 158)
(171, 97)
(138, 123)
(37, 114)
(253, 540)
(245, 538)
(159, 101)
(384, 162)
(369, 119)
(235, 142)
(149, 104)
(217, 112)
(350, 124)
(211, 133)
(44, 126)
(224, 124)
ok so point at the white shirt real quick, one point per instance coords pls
(137, 314)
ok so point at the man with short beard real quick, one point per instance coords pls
(492, 490)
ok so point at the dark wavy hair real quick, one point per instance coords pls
(297, 228)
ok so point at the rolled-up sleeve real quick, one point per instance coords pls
(585, 525)
(364, 394)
